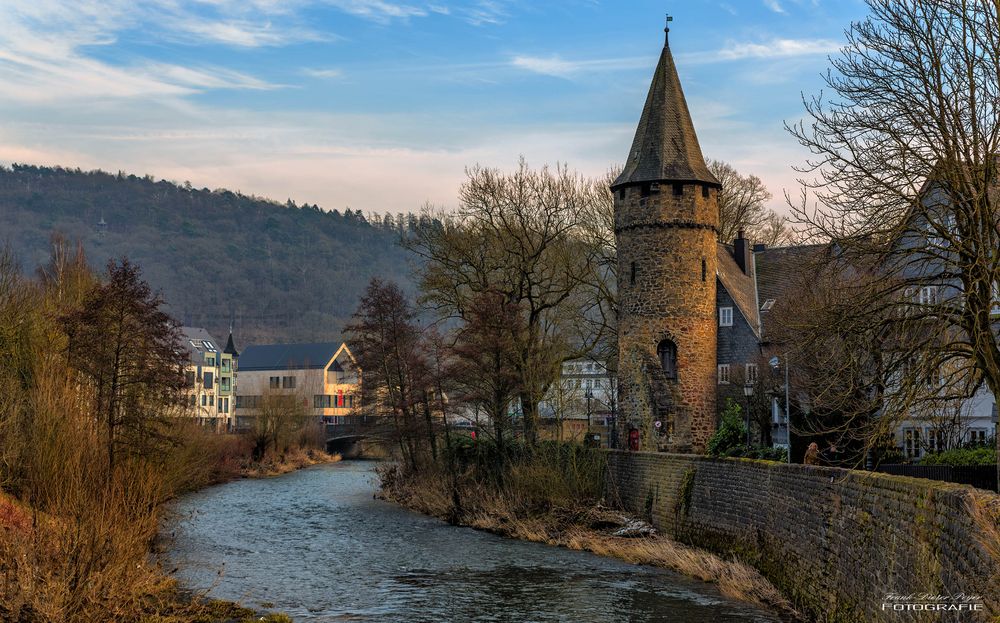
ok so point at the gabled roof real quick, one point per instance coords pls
(198, 342)
(739, 286)
(665, 147)
(778, 270)
(288, 356)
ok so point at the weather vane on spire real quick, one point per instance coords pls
(667, 28)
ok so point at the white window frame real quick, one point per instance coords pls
(912, 443)
(928, 295)
(725, 316)
(995, 309)
(723, 374)
(751, 373)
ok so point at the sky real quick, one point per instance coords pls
(380, 105)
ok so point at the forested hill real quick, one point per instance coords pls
(278, 271)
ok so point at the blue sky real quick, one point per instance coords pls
(380, 104)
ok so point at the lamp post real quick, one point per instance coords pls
(775, 362)
(748, 392)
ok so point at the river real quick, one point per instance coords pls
(316, 545)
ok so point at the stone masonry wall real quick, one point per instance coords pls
(670, 241)
(834, 541)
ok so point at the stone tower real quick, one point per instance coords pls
(666, 218)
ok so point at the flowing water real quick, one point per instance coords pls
(317, 546)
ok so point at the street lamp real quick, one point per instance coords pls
(748, 392)
(775, 363)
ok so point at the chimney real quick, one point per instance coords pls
(741, 252)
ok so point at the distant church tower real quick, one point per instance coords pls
(666, 218)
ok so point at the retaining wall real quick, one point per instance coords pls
(835, 541)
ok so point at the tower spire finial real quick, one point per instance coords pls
(666, 30)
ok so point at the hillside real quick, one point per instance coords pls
(277, 271)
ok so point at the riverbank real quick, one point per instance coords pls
(49, 562)
(591, 528)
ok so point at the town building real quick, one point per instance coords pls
(582, 405)
(322, 376)
(209, 379)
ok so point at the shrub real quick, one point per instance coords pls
(732, 432)
(962, 456)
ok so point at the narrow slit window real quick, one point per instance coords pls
(631, 278)
(704, 192)
(704, 270)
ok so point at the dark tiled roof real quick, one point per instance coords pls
(739, 285)
(781, 269)
(288, 356)
(665, 145)
(193, 340)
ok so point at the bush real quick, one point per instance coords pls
(731, 434)
(962, 456)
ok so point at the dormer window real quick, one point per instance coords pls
(768, 304)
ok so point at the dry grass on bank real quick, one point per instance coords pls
(573, 526)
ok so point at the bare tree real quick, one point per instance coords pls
(127, 352)
(520, 234)
(903, 169)
(742, 207)
(387, 346)
(278, 415)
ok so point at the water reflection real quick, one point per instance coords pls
(319, 547)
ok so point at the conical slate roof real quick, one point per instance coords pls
(665, 147)
(231, 346)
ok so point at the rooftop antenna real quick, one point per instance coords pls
(666, 39)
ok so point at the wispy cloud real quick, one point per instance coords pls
(329, 73)
(559, 67)
(773, 49)
(381, 11)
(237, 33)
(774, 5)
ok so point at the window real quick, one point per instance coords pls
(208, 346)
(322, 401)
(209, 380)
(631, 278)
(288, 382)
(704, 192)
(590, 384)
(704, 270)
(189, 378)
(678, 189)
(928, 295)
(666, 351)
(225, 405)
(225, 383)
(274, 382)
(977, 436)
(210, 361)
(193, 400)
(621, 193)
(751, 375)
(723, 374)
(227, 365)
(204, 400)
(911, 442)
(768, 304)
(645, 189)
(936, 441)
(725, 316)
